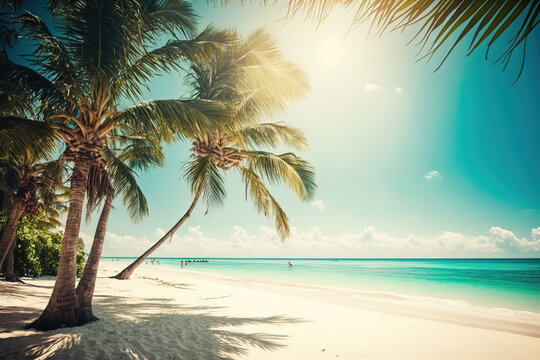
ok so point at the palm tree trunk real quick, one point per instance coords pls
(62, 309)
(126, 273)
(9, 263)
(10, 231)
(85, 288)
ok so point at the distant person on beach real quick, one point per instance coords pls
(181, 264)
(158, 262)
(290, 265)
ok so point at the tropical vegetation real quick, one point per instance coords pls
(101, 55)
(37, 249)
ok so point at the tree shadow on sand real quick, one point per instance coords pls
(140, 329)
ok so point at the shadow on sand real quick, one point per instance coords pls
(136, 329)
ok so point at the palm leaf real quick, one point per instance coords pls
(441, 22)
(174, 117)
(168, 16)
(205, 177)
(20, 135)
(287, 168)
(270, 134)
(264, 202)
(124, 183)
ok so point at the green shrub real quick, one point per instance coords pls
(37, 250)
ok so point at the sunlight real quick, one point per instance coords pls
(332, 51)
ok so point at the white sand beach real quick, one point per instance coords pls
(167, 314)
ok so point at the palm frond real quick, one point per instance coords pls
(203, 176)
(22, 86)
(98, 187)
(287, 168)
(167, 58)
(141, 153)
(264, 202)
(440, 22)
(20, 135)
(175, 118)
(51, 57)
(270, 134)
(124, 183)
(168, 16)
(8, 36)
(252, 74)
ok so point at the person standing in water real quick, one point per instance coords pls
(181, 264)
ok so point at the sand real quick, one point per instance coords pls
(167, 314)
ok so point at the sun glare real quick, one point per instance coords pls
(332, 51)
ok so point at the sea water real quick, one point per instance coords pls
(501, 283)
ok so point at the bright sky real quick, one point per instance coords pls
(410, 163)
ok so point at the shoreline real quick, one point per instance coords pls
(181, 314)
(483, 291)
(453, 311)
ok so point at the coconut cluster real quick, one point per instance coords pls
(219, 150)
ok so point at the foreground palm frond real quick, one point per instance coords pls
(439, 24)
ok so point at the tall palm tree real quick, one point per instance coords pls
(438, 22)
(101, 59)
(117, 178)
(254, 77)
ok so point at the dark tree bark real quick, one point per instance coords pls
(62, 309)
(9, 264)
(87, 283)
(126, 273)
(10, 231)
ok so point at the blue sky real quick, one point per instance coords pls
(410, 162)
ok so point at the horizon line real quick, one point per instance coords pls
(331, 258)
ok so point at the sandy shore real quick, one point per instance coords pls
(165, 314)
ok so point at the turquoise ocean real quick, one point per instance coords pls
(496, 283)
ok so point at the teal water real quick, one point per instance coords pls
(507, 283)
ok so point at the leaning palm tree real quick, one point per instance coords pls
(99, 60)
(437, 23)
(123, 156)
(254, 76)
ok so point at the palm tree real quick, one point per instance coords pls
(50, 207)
(253, 76)
(438, 22)
(35, 180)
(118, 177)
(102, 58)
(29, 178)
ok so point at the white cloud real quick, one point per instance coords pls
(191, 241)
(536, 233)
(433, 174)
(398, 89)
(372, 87)
(318, 204)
